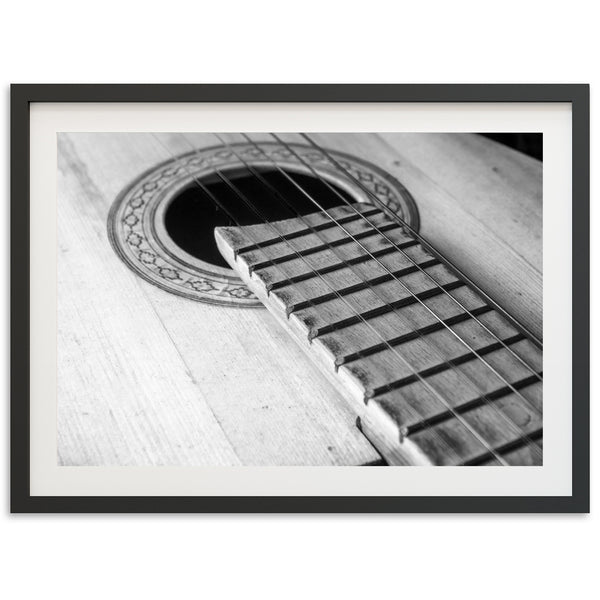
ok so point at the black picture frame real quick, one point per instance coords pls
(22, 95)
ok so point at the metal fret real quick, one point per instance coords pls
(386, 308)
(321, 248)
(471, 404)
(505, 448)
(359, 286)
(306, 231)
(338, 266)
(459, 360)
(412, 335)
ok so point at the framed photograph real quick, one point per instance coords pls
(300, 298)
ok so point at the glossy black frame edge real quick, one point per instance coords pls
(23, 94)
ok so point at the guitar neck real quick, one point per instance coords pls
(436, 373)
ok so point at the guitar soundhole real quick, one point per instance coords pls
(193, 214)
(162, 224)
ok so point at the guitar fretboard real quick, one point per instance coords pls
(446, 377)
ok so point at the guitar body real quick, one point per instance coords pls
(156, 367)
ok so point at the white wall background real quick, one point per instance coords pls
(298, 556)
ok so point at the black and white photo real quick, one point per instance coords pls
(299, 299)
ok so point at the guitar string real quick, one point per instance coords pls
(452, 451)
(515, 428)
(346, 172)
(521, 435)
(448, 328)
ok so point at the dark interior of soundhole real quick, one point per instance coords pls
(193, 214)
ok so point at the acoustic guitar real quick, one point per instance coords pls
(298, 299)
